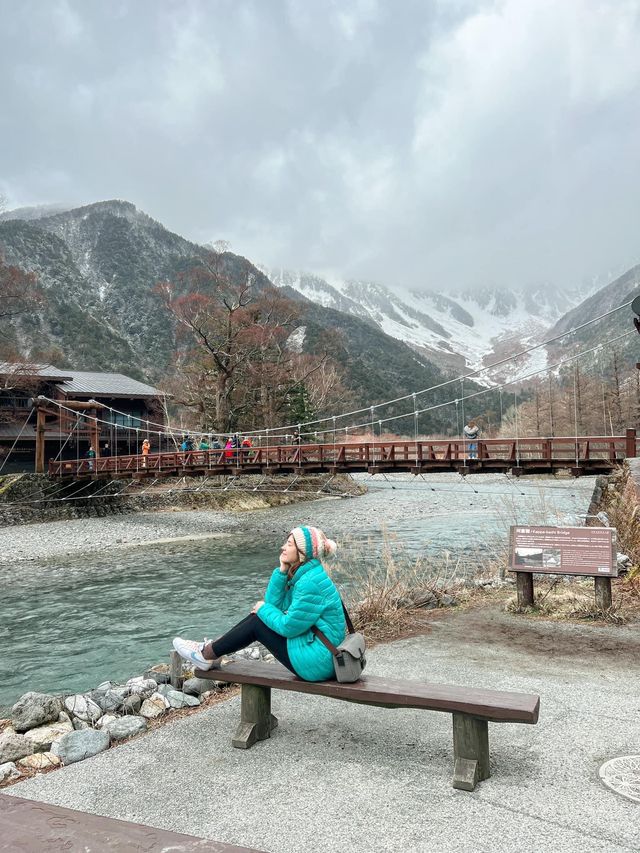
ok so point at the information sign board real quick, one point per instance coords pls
(563, 550)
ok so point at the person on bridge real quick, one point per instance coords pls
(91, 455)
(299, 596)
(146, 447)
(204, 444)
(471, 433)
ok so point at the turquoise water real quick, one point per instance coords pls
(68, 624)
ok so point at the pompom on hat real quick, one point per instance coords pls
(312, 542)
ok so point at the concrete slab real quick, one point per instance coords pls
(337, 776)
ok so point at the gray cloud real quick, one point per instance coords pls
(437, 145)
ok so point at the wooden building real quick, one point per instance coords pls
(128, 411)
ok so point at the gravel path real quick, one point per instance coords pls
(60, 538)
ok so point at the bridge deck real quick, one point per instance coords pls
(589, 454)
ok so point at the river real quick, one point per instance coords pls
(68, 624)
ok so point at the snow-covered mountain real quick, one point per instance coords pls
(466, 330)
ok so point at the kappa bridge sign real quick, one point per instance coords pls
(564, 550)
(588, 551)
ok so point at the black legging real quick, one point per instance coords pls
(252, 628)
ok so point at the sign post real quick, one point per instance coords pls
(580, 551)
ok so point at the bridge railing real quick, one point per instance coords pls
(359, 455)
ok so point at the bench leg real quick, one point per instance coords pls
(470, 751)
(256, 720)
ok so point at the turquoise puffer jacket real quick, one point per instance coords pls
(293, 606)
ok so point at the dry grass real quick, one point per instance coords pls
(569, 599)
(386, 598)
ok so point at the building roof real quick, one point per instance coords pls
(88, 383)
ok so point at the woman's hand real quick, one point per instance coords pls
(284, 567)
(257, 606)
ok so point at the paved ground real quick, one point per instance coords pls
(346, 777)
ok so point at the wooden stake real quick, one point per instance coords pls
(524, 588)
(603, 593)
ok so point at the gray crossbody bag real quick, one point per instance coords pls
(349, 658)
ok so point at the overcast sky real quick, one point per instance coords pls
(427, 143)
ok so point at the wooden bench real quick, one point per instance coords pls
(33, 827)
(471, 708)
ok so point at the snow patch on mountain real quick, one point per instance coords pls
(466, 331)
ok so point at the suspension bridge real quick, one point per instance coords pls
(139, 448)
(581, 455)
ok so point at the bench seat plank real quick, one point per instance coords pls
(29, 826)
(494, 705)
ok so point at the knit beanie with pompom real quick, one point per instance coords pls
(313, 543)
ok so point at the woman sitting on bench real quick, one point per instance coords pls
(300, 595)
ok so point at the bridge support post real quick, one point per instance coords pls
(470, 751)
(40, 428)
(630, 444)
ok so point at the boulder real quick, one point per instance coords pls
(196, 686)
(176, 698)
(13, 746)
(63, 717)
(77, 746)
(80, 725)
(110, 700)
(159, 673)
(40, 761)
(103, 722)
(132, 704)
(82, 708)
(34, 709)
(124, 727)
(43, 737)
(154, 707)
(8, 770)
(141, 686)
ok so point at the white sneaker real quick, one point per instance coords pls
(192, 651)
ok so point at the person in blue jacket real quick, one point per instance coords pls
(299, 596)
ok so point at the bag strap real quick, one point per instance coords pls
(323, 639)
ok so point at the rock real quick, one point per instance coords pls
(40, 761)
(160, 673)
(82, 708)
(255, 654)
(176, 698)
(43, 737)
(104, 722)
(141, 686)
(63, 717)
(154, 707)
(124, 727)
(13, 746)
(110, 700)
(105, 686)
(34, 709)
(8, 770)
(196, 686)
(77, 746)
(80, 725)
(447, 600)
(132, 704)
